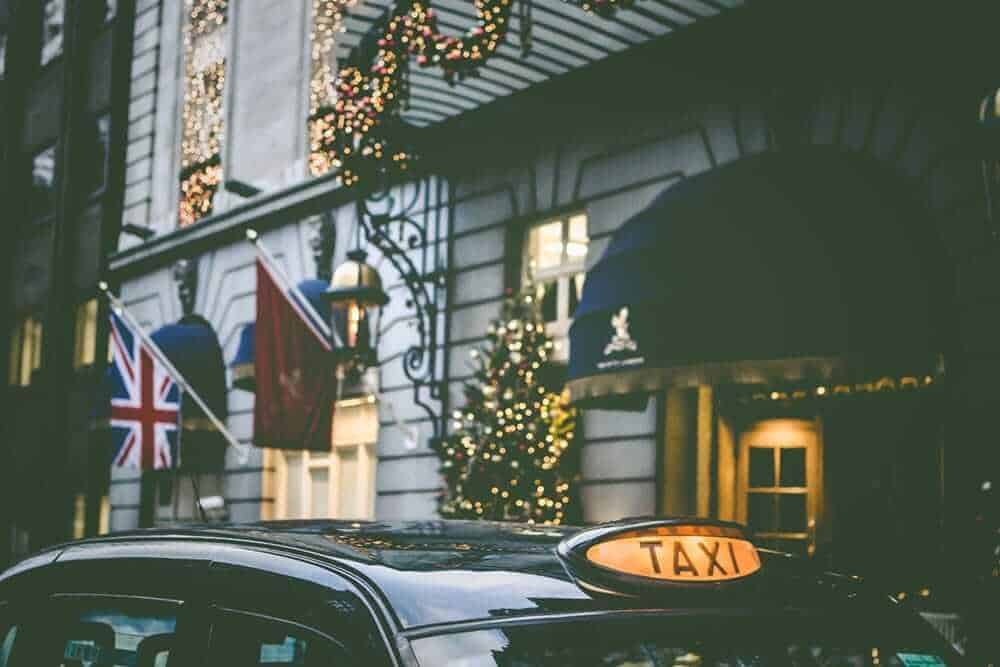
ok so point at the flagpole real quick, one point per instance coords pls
(254, 238)
(242, 450)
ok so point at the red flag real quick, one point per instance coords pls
(294, 369)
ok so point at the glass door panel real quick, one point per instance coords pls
(779, 482)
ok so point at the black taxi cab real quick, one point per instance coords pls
(637, 593)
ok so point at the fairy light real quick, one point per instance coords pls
(883, 384)
(491, 463)
(327, 23)
(202, 122)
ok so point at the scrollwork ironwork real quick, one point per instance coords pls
(388, 222)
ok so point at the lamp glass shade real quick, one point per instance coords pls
(355, 295)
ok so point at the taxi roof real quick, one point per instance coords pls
(445, 571)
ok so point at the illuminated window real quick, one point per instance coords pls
(85, 334)
(52, 29)
(3, 52)
(780, 480)
(337, 484)
(327, 19)
(95, 143)
(25, 351)
(555, 257)
(79, 516)
(203, 121)
(104, 516)
(41, 201)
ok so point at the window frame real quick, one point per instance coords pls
(45, 612)
(562, 275)
(219, 610)
(18, 336)
(367, 464)
(44, 64)
(78, 365)
(48, 216)
(367, 461)
(181, 86)
(96, 194)
(4, 46)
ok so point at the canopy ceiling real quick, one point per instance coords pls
(563, 38)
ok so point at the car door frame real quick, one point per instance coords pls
(262, 560)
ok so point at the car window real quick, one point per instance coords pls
(94, 633)
(249, 640)
(699, 641)
(9, 634)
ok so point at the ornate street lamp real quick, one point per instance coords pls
(355, 296)
(397, 224)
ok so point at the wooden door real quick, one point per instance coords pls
(780, 483)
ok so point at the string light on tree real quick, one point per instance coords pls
(510, 455)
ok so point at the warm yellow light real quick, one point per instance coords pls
(677, 557)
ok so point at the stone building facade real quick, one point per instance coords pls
(587, 137)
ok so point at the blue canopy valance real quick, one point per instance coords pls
(807, 264)
(242, 365)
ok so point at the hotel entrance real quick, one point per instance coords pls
(789, 312)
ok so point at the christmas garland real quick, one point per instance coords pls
(358, 134)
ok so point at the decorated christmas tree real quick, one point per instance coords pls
(510, 456)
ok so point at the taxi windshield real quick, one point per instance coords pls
(702, 640)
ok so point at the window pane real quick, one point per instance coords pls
(16, 340)
(761, 512)
(7, 645)
(576, 247)
(761, 467)
(547, 245)
(248, 641)
(79, 516)
(792, 512)
(110, 9)
(793, 467)
(86, 333)
(547, 295)
(43, 172)
(138, 634)
(791, 546)
(52, 29)
(575, 292)
(203, 123)
(36, 344)
(348, 503)
(94, 145)
(319, 488)
(293, 487)
(104, 520)
(837, 639)
(3, 52)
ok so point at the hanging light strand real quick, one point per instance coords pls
(203, 122)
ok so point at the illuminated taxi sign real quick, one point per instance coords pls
(640, 557)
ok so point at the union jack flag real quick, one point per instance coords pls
(145, 404)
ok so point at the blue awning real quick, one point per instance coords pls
(808, 264)
(242, 365)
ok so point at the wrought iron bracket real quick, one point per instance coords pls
(408, 239)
